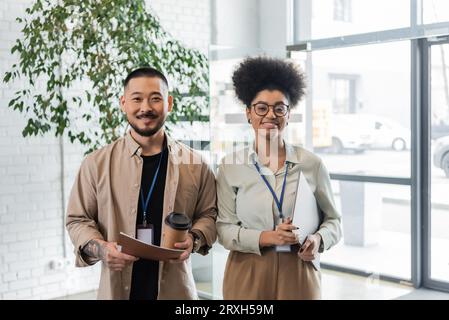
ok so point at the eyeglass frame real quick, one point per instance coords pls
(272, 107)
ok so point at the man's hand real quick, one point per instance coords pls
(283, 235)
(109, 254)
(309, 249)
(187, 245)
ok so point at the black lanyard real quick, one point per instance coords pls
(279, 202)
(150, 192)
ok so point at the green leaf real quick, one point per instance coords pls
(106, 40)
(7, 77)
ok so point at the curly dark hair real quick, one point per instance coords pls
(255, 74)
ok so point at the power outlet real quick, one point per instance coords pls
(58, 264)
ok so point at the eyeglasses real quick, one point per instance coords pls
(279, 109)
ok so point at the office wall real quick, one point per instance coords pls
(250, 27)
(37, 173)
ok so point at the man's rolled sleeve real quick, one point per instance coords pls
(206, 210)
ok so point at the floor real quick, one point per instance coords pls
(341, 286)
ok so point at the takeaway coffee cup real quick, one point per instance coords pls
(177, 226)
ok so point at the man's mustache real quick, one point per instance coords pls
(149, 114)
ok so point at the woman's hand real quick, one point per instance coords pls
(283, 235)
(309, 249)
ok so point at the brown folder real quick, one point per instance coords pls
(140, 249)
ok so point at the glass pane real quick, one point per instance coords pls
(376, 229)
(360, 102)
(435, 11)
(440, 163)
(332, 18)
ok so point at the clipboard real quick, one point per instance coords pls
(306, 215)
(143, 250)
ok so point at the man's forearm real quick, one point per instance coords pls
(95, 248)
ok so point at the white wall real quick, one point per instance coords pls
(186, 20)
(247, 28)
(236, 23)
(31, 193)
(274, 24)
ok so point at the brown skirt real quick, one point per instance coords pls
(270, 276)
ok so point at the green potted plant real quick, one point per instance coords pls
(74, 55)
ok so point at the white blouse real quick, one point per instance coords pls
(246, 206)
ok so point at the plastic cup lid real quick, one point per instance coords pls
(178, 221)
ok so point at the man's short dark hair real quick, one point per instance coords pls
(145, 72)
(264, 73)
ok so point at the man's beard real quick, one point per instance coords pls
(147, 132)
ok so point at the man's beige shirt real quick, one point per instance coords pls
(246, 206)
(104, 202)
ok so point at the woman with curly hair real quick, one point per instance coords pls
(256, 189)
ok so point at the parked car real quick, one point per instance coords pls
(441, 154)
(439, 130)
(348, 134)
(362, 131)
(388, 133)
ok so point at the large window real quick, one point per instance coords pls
(366, 91)
(368, 96)
(376, 229)
(382, 79)
(332, 18)
(439, 153)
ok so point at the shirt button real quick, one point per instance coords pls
(136, 185)
(126, 288)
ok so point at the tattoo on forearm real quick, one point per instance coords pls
(94, 249)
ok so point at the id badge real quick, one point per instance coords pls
(145, 233)
(284, 248)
